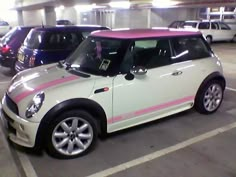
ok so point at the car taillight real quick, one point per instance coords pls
(5, 49)
(31, 61)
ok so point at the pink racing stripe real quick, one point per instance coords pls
(149, 110)
(22, 95)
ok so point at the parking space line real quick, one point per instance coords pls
(4, 82)
(166, 151)
(231, 89)
(26, 165)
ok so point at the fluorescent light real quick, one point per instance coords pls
(85, 8)
(164, 3)
(120, 4)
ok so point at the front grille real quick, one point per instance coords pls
(8, 122)
(11, 105)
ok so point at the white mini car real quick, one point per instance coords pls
(213, 30)
(114, 80)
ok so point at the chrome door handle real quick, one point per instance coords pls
(176, 73)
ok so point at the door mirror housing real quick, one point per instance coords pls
(138, 70)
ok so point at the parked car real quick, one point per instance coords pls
(10, 44)
(213, 30)
(4, 28)
(176, 24)
(47, 45)
(96, 90)
(64, 22)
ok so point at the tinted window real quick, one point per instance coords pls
(204, 25)
(214, 25)
(52, 40)
(147, 53)
(189, 48)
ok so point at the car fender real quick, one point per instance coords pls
(77, 103)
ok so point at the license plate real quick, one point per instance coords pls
(21, 57)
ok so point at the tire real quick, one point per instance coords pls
(209, 39)
(234, 39)
(72, 134)
(209, 97)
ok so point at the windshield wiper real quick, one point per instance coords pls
(78, 73)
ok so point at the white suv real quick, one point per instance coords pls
(114, 80)
(213, 30)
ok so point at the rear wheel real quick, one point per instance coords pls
(209, 97)
(72, 134)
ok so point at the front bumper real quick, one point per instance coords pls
(19, 130)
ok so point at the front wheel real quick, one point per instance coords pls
(209, 39)
(209, 97)
(72, 134)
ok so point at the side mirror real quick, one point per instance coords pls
(138, 70)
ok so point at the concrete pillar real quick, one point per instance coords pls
(49, 16)
(20, 18)
(149, 14)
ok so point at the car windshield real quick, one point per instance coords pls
(48, 40)
(98, 56)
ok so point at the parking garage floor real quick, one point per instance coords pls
(187, 144)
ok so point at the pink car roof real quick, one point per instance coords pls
(143, 33)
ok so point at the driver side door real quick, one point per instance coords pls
(150, 96)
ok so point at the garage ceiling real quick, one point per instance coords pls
(33, 4)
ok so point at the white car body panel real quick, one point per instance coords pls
(162, 91)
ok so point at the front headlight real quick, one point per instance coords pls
(35, 105)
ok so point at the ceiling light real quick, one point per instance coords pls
(164, 3)
(120, 4)
(85, 8)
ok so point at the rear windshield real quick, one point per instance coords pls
(9, 35)
(47, 40)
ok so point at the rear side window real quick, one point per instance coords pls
(150, 53)
(189, 48)
(204, 25)
(44, 40)
(214, 25)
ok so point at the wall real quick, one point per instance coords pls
(163, 17)
(140, 18)
(33, 17)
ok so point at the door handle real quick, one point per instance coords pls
(176, 73)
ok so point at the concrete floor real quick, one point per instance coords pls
(159, 148)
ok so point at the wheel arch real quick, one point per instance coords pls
(90, 106)
(213, 76)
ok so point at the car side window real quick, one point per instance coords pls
(204, 25)
(189, 48)
(224, 26)
(214, 25)
(148, 53)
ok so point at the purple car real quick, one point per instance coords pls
(10, 44)
(51, 44)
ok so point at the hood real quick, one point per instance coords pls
(43, 78)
